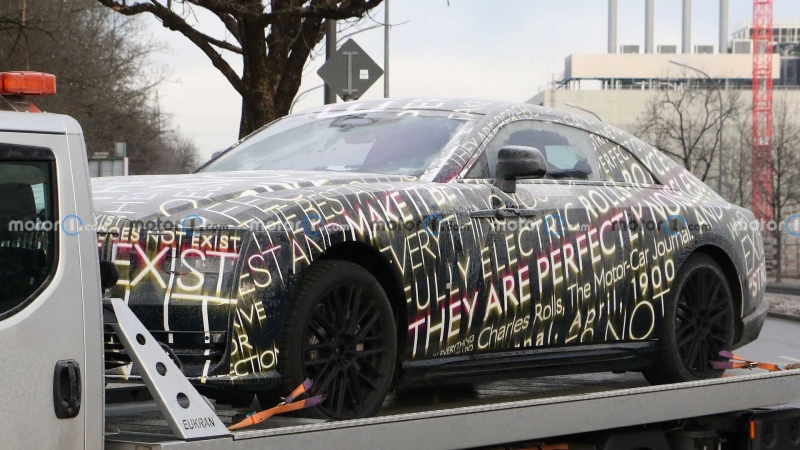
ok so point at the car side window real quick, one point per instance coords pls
(617, 164)
(27, 231)
(567, 150)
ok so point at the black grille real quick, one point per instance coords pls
(191, 349)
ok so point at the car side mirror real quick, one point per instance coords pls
(516, 162)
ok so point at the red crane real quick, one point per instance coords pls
(762, 109)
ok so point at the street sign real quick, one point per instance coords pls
(350, 71)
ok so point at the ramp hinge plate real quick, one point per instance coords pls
(188, 413)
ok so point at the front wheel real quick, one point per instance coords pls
(340, 332)
(698, 323)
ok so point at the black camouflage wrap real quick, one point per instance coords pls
(566, 263)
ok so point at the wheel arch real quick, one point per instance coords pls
(381, 268)
(731, 272)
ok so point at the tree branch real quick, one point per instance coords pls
(236, 9)
(176, 23)
(230, 24)
(311, 32)
(346, 10)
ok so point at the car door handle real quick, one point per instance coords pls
(67, 389)
(502, 213)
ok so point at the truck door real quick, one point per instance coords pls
(51, 388)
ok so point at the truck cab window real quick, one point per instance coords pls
(27, 232)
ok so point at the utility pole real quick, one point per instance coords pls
(330, 49)
(386, 49)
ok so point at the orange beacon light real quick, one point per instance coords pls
(15, 86)
(27, 83)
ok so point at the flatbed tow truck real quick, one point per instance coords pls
(54, 392)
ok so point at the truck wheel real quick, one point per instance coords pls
(697, 324)
(340, 332)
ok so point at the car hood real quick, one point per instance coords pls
(153, 197)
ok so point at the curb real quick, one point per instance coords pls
(775, 288)
(783, 316)
(783, 289)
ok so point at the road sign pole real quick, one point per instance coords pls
(386, 49)
(330, 50)
(349, 91)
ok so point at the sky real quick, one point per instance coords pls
(493, 49)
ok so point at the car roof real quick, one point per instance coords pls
(44, 123)
(468, 105)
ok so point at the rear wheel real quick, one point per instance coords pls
(698, 323)
(340, 332)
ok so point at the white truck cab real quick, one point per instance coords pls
(51, 375)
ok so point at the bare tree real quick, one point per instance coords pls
(11, 24)
(737, 159)
(273, 37)
(683, 123)
(785, 167)
(106, 79)
(184, 153)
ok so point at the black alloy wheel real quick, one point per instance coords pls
(698, 324)
(703, 319)
(340, 333)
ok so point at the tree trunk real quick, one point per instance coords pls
(257, 76)
(256, 109)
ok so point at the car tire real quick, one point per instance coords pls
(698, 323)
(350, 357)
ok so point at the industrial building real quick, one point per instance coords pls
(617, 86)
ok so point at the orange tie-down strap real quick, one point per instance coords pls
(736, 362)
(289, 404)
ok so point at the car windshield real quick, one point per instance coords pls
(388, 142)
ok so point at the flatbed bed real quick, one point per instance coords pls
(554, 406)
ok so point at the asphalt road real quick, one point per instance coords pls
(779, 343)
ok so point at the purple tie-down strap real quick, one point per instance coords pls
(313, 401)
(726, 354)
(722, 365)
(306, 386)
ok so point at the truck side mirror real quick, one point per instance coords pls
(515, 162)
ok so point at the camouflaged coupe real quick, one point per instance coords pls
(383, 243)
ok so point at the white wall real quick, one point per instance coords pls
(657, 66)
